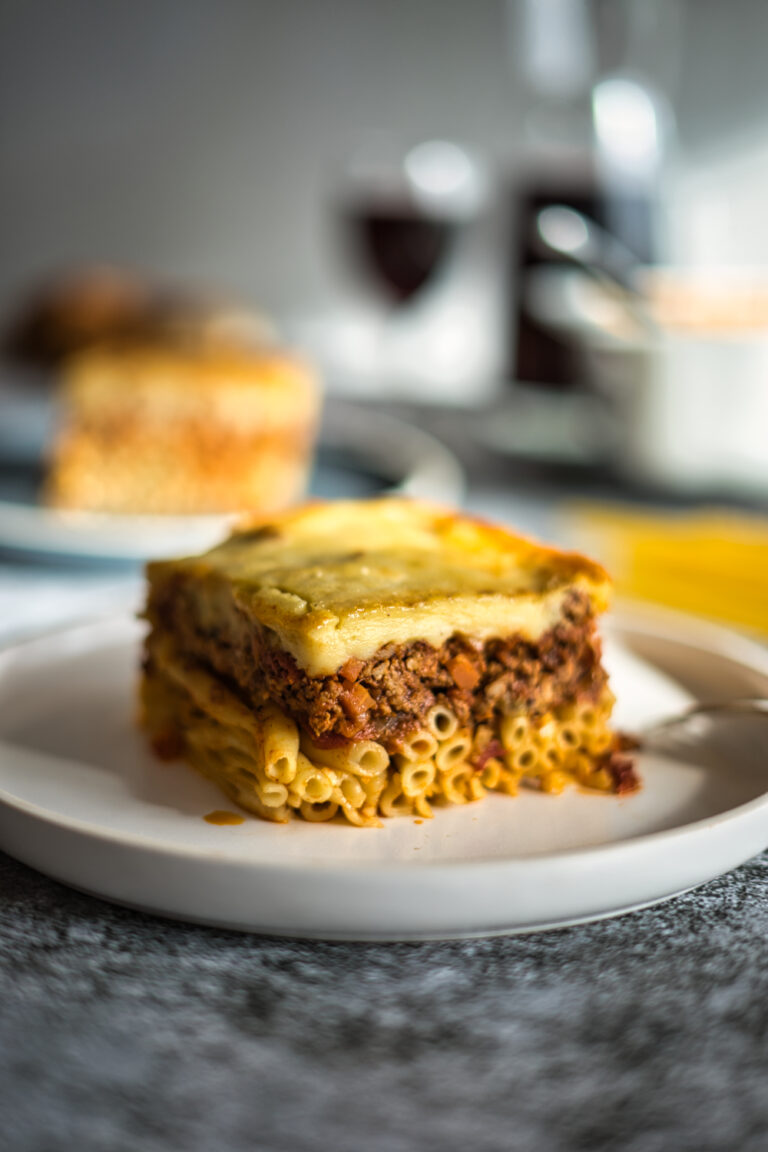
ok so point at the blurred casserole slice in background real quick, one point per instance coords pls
(170, 400)
(182, 429)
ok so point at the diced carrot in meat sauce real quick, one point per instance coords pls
(356, 700)
(463, 672)
(352, 669)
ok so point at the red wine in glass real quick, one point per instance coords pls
(399, 245)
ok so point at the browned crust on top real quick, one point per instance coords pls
(561, 567)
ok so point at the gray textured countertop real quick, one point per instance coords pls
(118, 1031)
(645, 1033)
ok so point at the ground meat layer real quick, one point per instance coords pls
(387, 696)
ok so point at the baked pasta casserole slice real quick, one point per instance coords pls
(371, 658)
(183, 429)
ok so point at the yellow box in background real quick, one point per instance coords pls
(711, 562)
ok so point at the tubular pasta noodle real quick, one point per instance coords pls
(392, 801)
(416, 778)
(362, 817)
(508, 782)
(554, 781)
(419, 745)
(318, 812)
(268, 736)
(311, 783)
(373, 787)
(368, 757)
(272, 795)
(280, 738)
(598, 742)
(242, 792)
(252, 803)
(352, 791)
(441, 722)
(552, 757)
(363, 757)
(514, 730)
(601, 778)
(586, 716)
(590, 775)
(567, 739)
(453, 750)
(422, 806)
(452, 781)
(524, 760)
(475, 788)
(490, 777)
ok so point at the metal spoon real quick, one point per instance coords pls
(721, 727)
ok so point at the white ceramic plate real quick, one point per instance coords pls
(361, 452)
(82, 800)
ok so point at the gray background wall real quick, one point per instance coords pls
(204, 139)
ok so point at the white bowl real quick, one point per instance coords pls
(691, 397)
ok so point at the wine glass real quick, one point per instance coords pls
(409, 224)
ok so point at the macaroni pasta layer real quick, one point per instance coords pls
(369, 658)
